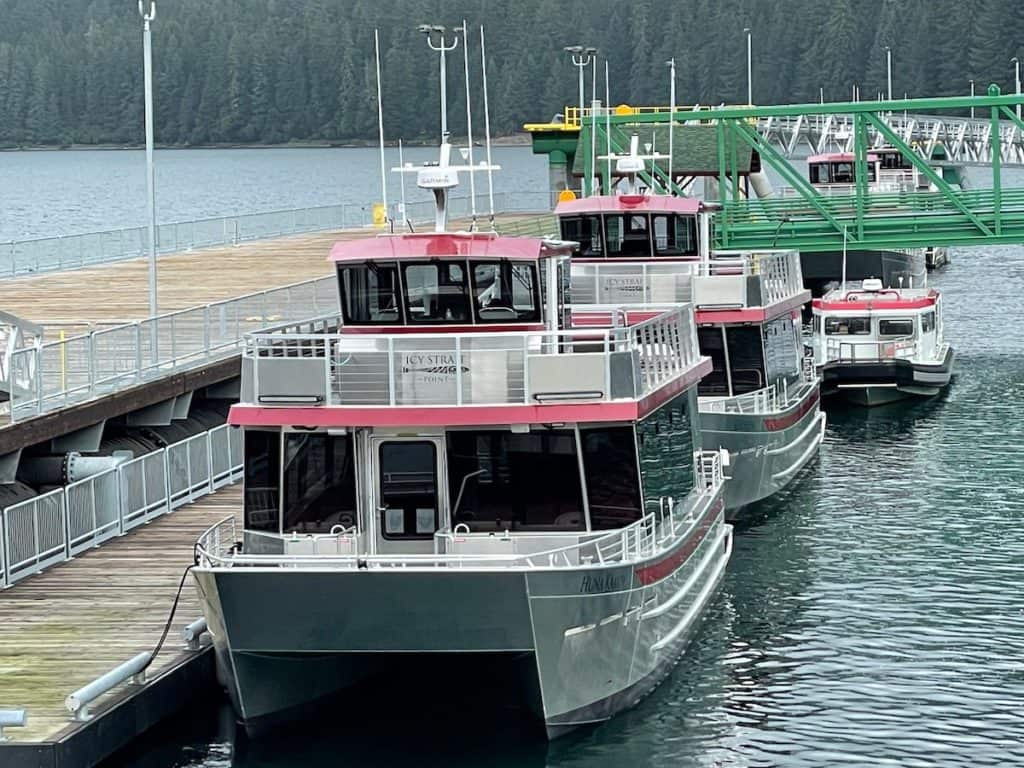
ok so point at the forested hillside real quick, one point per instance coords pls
(278, 70)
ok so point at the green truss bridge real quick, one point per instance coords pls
(726, 145)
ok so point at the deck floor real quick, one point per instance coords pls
(68, 625)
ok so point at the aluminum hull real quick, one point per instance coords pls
(871, 383)
(598, 638)
(766, 451)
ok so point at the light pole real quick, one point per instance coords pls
(581, 57)
(1016, 78)
(972, 96)
(430, 30)
(888, 72)
(750, 79)
(147, 56)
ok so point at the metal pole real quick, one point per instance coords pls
(608, 129)
(380, 129)
(671, 118)
(593, 124)
(1016, 78)
(487, 124)
(750, 70)
(888, 71)
(972, 96)
(147, 54)
(469, 128)
(429, 30)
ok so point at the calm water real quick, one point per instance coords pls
(875, 616)
(43, 194)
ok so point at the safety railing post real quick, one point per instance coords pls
(208, 438)
(5, 550)
(392, 395)
(90, 354)
(458, 369)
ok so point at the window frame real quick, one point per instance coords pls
(864, 320)
(509, 266)
(883, 335)
(381, 520)
(368, 266)
(438, 264)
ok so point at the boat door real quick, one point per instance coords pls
(409, 496)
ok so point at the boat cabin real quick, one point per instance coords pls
(872, 323)
(839, 168)
(633, 226)
(424, 282)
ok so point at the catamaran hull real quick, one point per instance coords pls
(766, 452)
(879, 383)
(595, 640)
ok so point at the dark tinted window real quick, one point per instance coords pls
(262, 480)
(610, 466)
(746, 358)
(712, 344)
(928, 322)
(628, 235)
(505, 291)
(846, 326)
(517, 482)
(899, 327)
(436, 293)
(585, 230)
(319, 482)
(819, 173)
(370, 294)
(666, 441)
(675, 235)
(408, 489)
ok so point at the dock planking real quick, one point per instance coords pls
(73, 622)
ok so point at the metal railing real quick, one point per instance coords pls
(58, 525)
(27, 257)
(774, 398)
(527, 367)
(639, 540)
(778, 272)
(60, 373)
(849, 351)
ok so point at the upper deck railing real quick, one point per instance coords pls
(653, 533)
(728, 279)
(283, 366)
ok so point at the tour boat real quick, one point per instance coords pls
(761, 398)
(876, 345)
(445, 478)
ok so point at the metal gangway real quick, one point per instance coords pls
(15, 334)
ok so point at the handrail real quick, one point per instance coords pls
(844, 350)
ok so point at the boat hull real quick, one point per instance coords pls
(871, 383)
(820, 269)
(596, 639)
(766, 452)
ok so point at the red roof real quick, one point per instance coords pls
(630, 204)
(839, 157)
(887, 298)
(435, 245)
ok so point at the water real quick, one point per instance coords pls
(49, 193)
(873, 616)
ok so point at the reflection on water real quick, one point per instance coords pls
(872, 615)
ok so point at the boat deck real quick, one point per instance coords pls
(66, 626)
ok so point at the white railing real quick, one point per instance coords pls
(56, 526)
(526, 367)
(845, 351)
(50, 254)
(774, 398)
(778, 272)
(637, 541)
(648, 282)
(60, 373)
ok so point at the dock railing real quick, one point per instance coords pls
(58, 525)
(57, 374)
(28, 257)
(281, 367)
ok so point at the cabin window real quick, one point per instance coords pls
(436, 293)
(842, 173)
(746, 358)
(504, 291)
(782, 349)
(319, 482)
(675, 235)
(819, 173)
(848, 326)
(499, 480)
(585, 230)
(903, 326)
(613, 485)
(369, 294)
(262, 480)
(712, 344)
(629, 235)
(928, 322)
(408, 489)
(666, 441)
(816, 324)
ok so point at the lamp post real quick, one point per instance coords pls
(1016, 78)
(581, 57)
(972, 96)
(888, 72)
(750, 70)
(147, 56)
(430, 30)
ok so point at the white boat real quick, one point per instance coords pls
(875, 345)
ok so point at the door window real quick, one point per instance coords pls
(408, 489)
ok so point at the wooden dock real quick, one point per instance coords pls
(63, 628)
